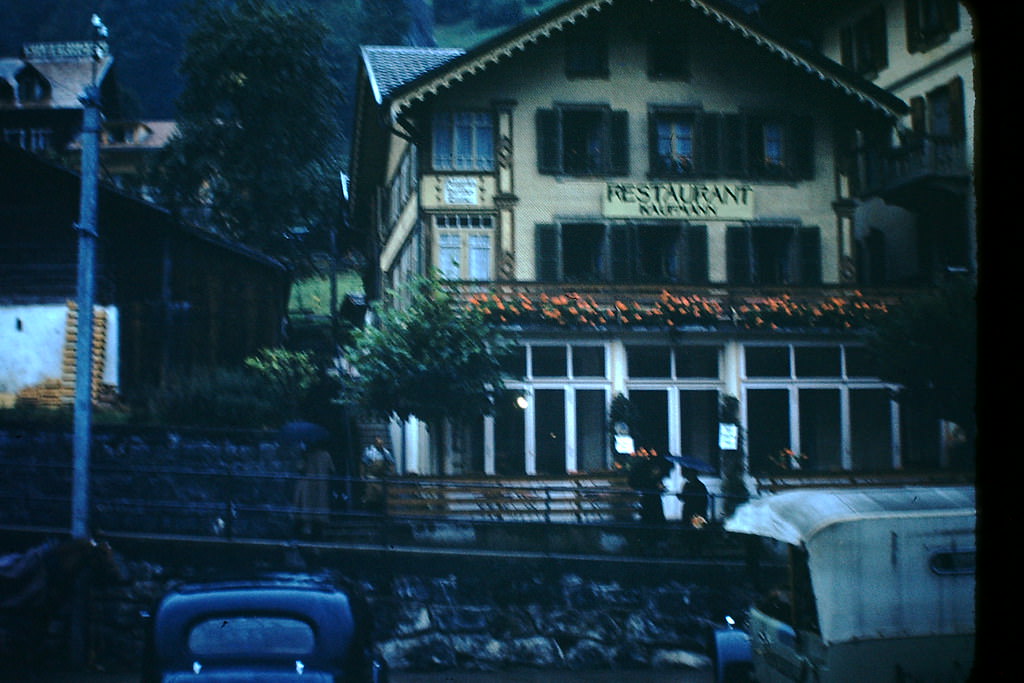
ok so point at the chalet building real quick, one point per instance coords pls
(41, 90)
(661, 201)
(169, 297)
(41, 111)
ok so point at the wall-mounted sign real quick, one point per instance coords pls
(461, 190)
(696, 201)
(728, 436)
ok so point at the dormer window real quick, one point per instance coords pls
(32, 87)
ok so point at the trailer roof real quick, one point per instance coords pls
(797, 516)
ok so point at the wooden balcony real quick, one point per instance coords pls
(910, 174)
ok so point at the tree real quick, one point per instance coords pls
(433, 358)
(256, 155)
(928, 347)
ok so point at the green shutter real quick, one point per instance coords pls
(801, 149)
(731, 137)
(548, 252)
(619, 143)
(958, 125)
(737, 255)
(549, 145)
(914, 38)
(694, 260)
(810, 256)
(706, 144)
(917, 115)
(623, 249)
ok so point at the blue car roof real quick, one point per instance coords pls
(327, 609)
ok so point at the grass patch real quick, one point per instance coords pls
(313, 295)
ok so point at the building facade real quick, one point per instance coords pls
(917, 190)
(656, 199)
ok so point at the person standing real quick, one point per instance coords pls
(695, 499)
(313, 492)
(377, 463)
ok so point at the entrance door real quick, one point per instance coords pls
(549, 430)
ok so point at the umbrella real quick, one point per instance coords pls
(690, 463)
(307, 432)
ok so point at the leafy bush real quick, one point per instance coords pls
(218, 398)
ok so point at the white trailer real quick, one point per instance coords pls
(880, 587)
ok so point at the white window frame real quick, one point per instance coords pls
(466, 231)
(842, 383)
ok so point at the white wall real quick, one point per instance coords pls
(32, 345)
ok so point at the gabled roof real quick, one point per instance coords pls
(402, 76)
(66, 77)
(389, 67)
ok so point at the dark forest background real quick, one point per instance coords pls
(147, 36)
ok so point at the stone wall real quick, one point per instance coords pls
(436, 611)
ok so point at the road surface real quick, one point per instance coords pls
(519, 676)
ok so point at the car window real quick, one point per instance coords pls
(262, 635)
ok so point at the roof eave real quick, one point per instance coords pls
(504, 45)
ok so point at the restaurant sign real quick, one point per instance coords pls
(699, 201)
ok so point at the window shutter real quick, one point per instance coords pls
(913, 26)
(846, 48)
(956, 108)
(694, 259)
(810, 256)
(950, 15)
(801, 149)
(737, 255)
(917, 115)
(619, 143)
(549, 158)
(548, 248)
(623, 249)
(879, 40)
(654, 167)
(732, 138)
(706, 140)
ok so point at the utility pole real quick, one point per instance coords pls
(87, 233)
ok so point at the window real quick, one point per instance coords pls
(622, 252)
(31, 86)
(582, 141)
(929, 22)
(773, 255)
(940, 114)
(691, 143)
(778, 147)
(673, 143)
(463, 141)
(583, 252)
(954, 562)
(586, 52)
(863, 46)
(464, 246)
(813, 407)
(649, 361)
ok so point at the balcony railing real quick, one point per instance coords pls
(919, 159)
